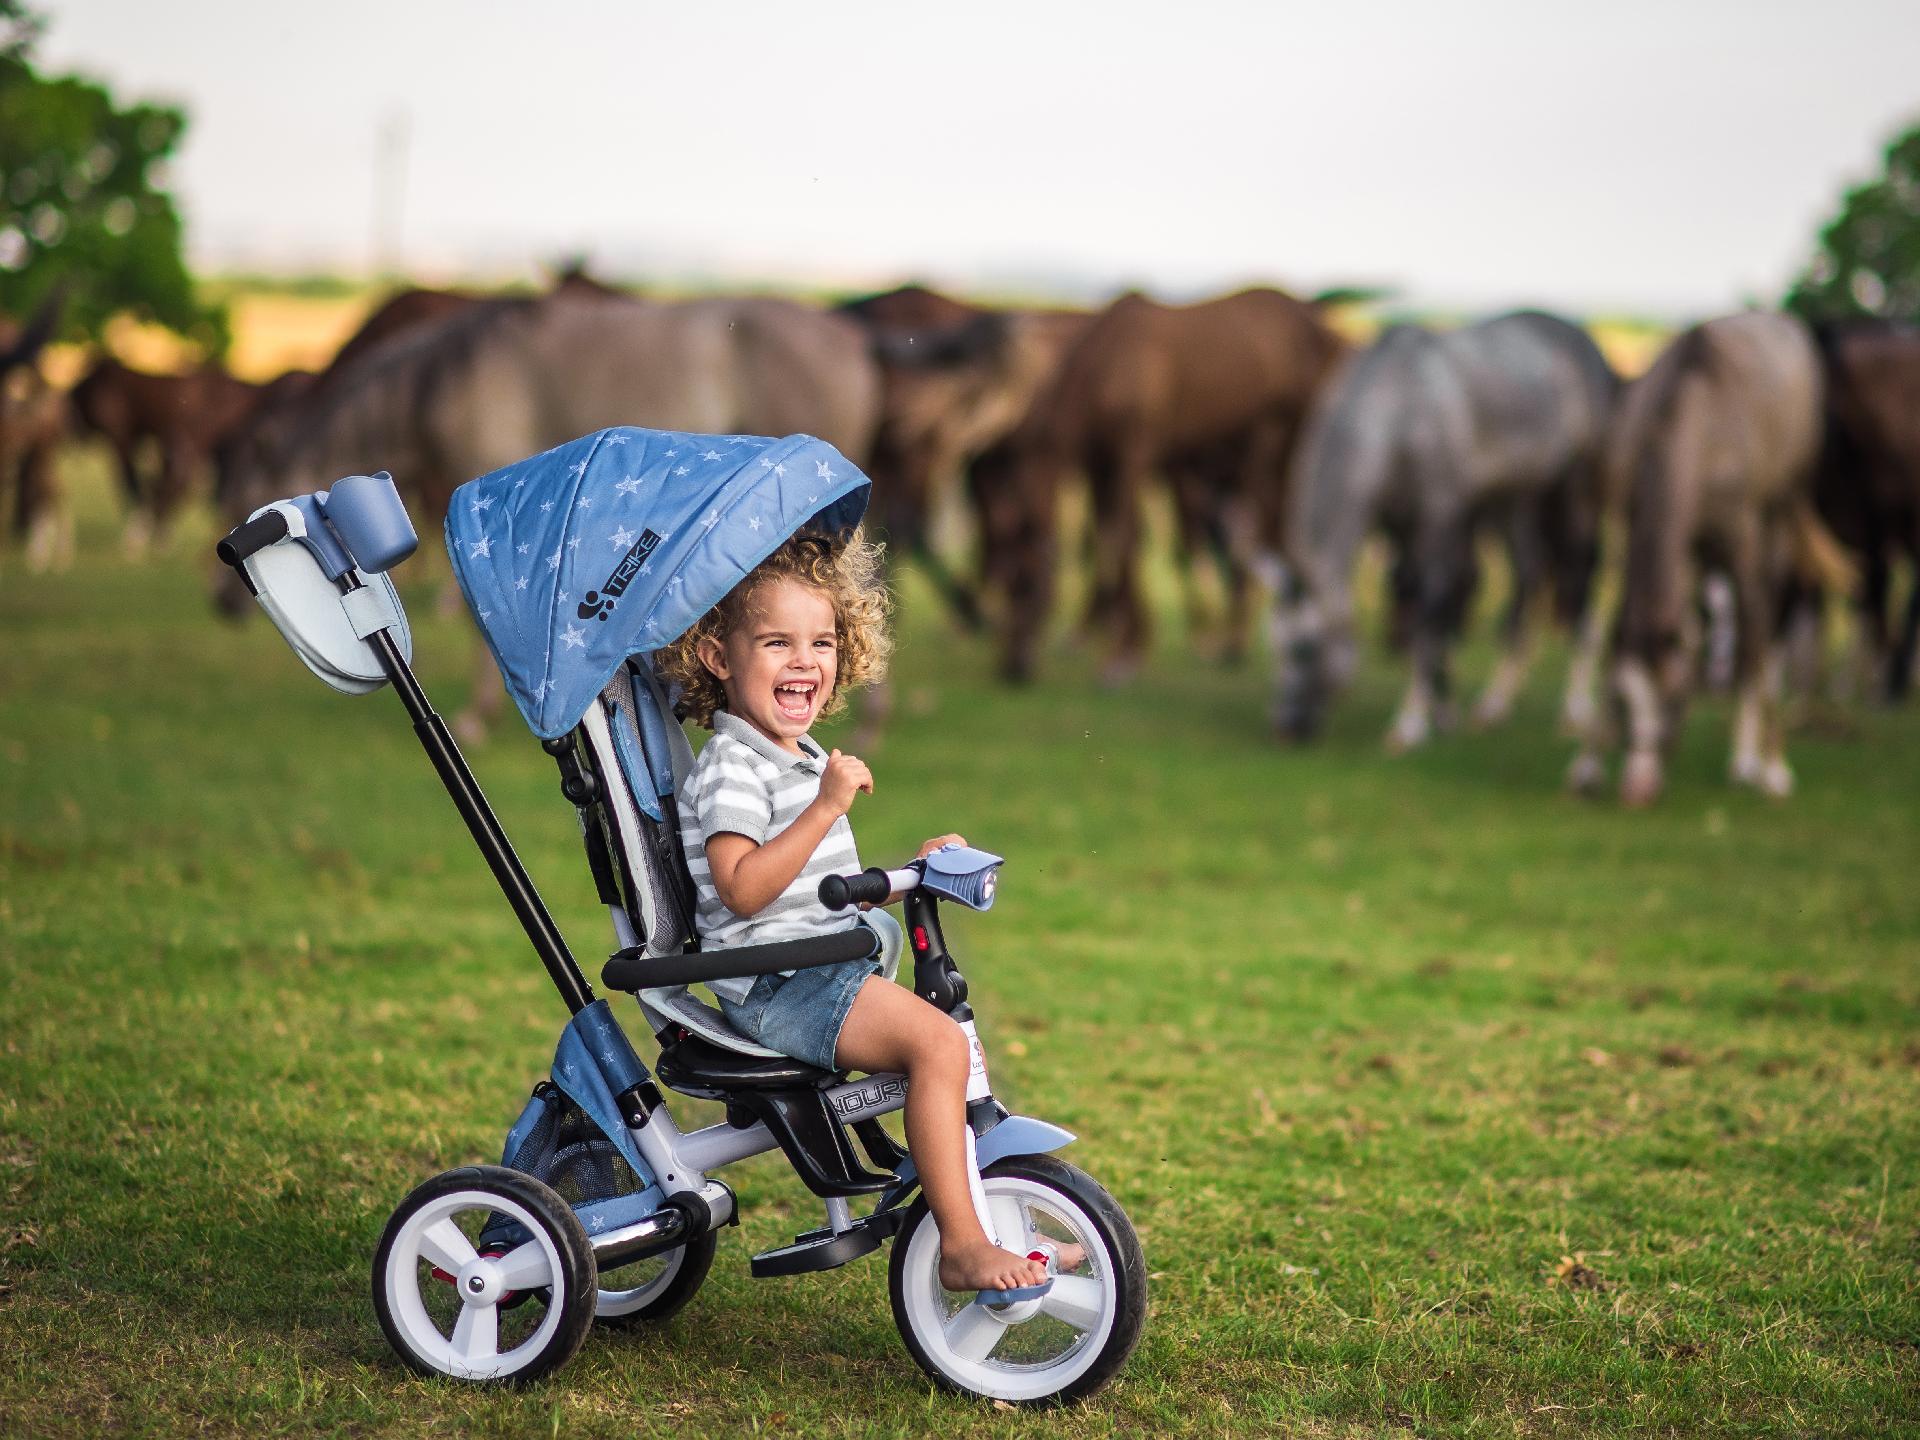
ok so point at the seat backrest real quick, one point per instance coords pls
(641, 755)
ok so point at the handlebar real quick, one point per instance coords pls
(870, 887)
(251, 536)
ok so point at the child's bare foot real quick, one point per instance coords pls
(987, 1267)
(1067, 1256)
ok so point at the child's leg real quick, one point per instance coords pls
(891, 1028)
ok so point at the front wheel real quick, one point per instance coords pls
(1058, 1348)
(451, 1306)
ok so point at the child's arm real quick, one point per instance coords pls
(749, 876)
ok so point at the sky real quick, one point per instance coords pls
(1667, 159)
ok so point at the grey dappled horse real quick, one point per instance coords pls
(1426, 436)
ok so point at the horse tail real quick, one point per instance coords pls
(1818, 558)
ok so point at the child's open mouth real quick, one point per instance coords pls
(795, 698)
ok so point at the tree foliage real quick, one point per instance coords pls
(83, 208)
(1868, 258)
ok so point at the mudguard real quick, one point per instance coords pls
(1015, 1135)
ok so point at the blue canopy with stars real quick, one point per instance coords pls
(615, 543)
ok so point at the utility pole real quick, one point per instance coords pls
(390, 190)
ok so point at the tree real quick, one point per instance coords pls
(82, 211)
(1868, 259)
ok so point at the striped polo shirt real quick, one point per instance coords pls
(745, 784)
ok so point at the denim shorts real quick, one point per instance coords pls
(801, 1014)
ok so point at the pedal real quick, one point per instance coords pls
(1001, 1299)
(818, 1250)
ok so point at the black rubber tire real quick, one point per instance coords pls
(691, 1275)
(562, 1227)
(1115, 1230)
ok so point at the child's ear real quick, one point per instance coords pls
(712, 654)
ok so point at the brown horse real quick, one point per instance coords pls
(1713, 450)
(499, 380)
(185, 418)
(1868, 489)
(956, 379)
(1152, 389)
(33, 422)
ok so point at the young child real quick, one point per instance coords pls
(763, 817)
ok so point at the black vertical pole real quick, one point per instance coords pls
(487, 834)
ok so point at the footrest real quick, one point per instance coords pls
(822, 1250)
(996, 1299)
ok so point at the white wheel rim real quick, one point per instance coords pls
(1065, 1330)
(431, 1236)
(613, 1303)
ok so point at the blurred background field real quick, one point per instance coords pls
(1445, 1104)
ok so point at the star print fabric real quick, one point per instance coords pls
(613, 544)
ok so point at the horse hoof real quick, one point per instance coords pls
(1119, 673)
(1587, 775)
(1748, 770)
(1408, 734)
(1576, 719)
(1492, 714)
(1776, 780)
(1640, 781)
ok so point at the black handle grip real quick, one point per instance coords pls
(251, 536)
(870, 886)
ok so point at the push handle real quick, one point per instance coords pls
(251, 536)
(871, 886)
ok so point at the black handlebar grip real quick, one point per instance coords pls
(251, 536)
(870, 886)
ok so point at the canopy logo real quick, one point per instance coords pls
(598, 604)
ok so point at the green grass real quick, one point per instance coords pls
(1364, 1046)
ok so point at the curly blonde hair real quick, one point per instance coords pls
(848, 573)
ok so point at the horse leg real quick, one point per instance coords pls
(1193, 532)
(176, 475)
(1756, 668)
(45, 519)
(1118, 536)
(137, 535)
(1900, 654)
(1442, 555)
(1526, 557)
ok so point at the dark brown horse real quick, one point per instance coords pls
(1213, 392)
(1868, 488)
(956, 378)
(185, 418)
(1713, 450)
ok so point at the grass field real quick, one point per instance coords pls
(1444, 1104)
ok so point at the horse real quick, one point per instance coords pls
(186, 417)
(956, 379)
(33, 422)
(1867, 488)
(1148, 388)
(1428, 436)
(498, 380)
(1713, 451)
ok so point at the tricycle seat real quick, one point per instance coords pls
(695, 1066)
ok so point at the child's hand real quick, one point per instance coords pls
(845, 774)
(935, 843)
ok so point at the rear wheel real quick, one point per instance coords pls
(653, 1288)
(1059, 1347)
(447, 1308)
